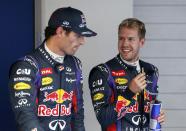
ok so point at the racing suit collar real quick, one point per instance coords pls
(55, 56)
(135, 64)
(125, 65)
(47, 56)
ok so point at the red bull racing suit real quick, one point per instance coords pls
(116, 107)
(46, 95)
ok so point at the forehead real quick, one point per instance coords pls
(124, 31)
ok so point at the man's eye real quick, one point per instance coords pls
(130, 39)
(78, 36)
(120, 38)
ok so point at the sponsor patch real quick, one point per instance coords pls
(121, 81)
(121, 103)
(46, 71)
(58, 96)
(21, 86)
(98, 89)
(46, 88)
(98, 96)
(47, 81)
(97, 83)
(23, 71)
(22, 79)
(21, 94)
(69, 80)
(58, 110)
(22, 103)
(118, 73)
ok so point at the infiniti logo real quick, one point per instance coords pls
(22, 101)
(54, 124)
(68, 69)
(137, 119)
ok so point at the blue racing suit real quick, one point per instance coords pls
(116, 107)
(46, 95)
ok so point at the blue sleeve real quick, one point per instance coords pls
(23, 91)
(77, 121)
(108, 106)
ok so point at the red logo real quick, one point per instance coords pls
(46, 71)
(58, 96)
(118, 73)
(61, 110)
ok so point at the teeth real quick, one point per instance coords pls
(126, 50)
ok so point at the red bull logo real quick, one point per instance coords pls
(58, 96)
(121, 103)
(134, 108)
(43, 110)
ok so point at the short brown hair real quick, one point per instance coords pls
(134, 23)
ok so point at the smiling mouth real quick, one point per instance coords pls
(126, 50)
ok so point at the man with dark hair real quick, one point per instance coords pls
(123, 88)
(46, 85)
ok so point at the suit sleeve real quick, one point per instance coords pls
(107, 109)
(77, 121)
(22, 87)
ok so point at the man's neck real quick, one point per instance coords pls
(53, 46)
(54, 56)
(135, 63)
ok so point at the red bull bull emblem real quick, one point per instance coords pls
(58, 96)
(121, 103)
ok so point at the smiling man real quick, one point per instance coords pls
(123, 87)
(46, 85)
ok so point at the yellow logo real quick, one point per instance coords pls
(98, 96)
(121, 81)
(21, 86)
(46, 80)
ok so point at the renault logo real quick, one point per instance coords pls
(55, 123)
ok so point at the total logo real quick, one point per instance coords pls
(23, 71)
(57, 124)
(21, 86)
(121, 81)
(58, 96)
(46, 71)
(47, 81)
(118, 73)
(58, 110)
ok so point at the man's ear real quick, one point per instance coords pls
(142, 42)
(60, 31)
